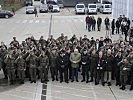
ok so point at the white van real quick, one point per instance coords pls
(106, 8)
(80, 8)
(92, 8)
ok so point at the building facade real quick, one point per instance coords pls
(122, 7)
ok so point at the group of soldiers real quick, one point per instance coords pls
(99, 61)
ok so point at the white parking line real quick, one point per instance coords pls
(37, 21)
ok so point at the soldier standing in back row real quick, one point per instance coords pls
(32, 59)
(43, 68)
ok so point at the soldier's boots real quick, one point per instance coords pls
(109, 83)
(91, 80)
(83, 80)
(103, 83)
(53, 78)
(118, 84)
(57, 78)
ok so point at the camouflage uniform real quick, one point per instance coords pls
(32, 59)
(9, 61)
(43, 68)
(20, 62)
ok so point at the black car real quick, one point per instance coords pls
(6, 13)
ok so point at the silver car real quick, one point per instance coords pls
(30, 10)
(43, 8)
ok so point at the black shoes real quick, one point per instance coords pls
(72, 81)
(123, 88)
(103, 84)
(83, 80)
(66, 82)
(109, 83)
(77, 81)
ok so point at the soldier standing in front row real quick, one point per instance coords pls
(53, 67)
(109, 67)
(32, 59)
(10, 67)
(124, 72)
(43, 67)
(20, 68)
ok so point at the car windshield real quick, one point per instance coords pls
(80, 6)
(60, 2)
(92, 6)
(30, 7)
(107, 6)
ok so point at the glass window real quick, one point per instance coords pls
(107, 6)
(92, 6)
(80, 6)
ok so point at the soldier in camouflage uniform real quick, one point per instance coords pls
(43, 68)
(53, 67)
(3, 53)
(32, 59)
(124, 72)
(92, 62)
(20, 62)
(10, 67)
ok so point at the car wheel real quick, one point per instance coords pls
(6, 16)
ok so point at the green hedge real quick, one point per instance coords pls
(16, 6)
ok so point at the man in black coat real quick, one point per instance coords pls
(99, 22)
(85, 66)
(118, 24)
(118, 58)
(69, 68)
(100, 68)
(113, 26)
(62, 65)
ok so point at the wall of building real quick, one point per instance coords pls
(122, 7)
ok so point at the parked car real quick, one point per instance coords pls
(60, 4)
(55, 8)
(28, 2)
(6, 13)
(51, 3)
(106, 8)
(80, 8)
(92, 8)
(43, 8)
(30, 10)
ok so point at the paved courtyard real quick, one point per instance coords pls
(23, 26)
